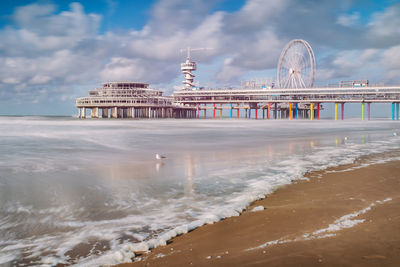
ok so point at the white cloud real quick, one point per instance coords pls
(384, 29)
(348, 20)
(229, 72)
(10, 81)
(122, 69)
(391, 62)
(255, 14)
(39, 79)
(391, 57)
(348, 64)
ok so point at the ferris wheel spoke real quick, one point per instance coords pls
(287, 81)
(303, 63)
(302, 81)
(289, 62)
(290, 83)
(286, 64)
(296, 83)
(285, 84)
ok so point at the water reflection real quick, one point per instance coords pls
(190, 173)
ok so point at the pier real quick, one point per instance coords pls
(295, 97)
(290, 103)
(135, 100)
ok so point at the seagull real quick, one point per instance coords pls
(158, 156)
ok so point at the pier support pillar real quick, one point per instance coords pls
(296, 113)
(269, 111)
(104, 112)
(369, 110)
(256, 112)
(231, 111)
(276, 111)
(362, 110)
(94, 113)
(238, 111)
(114, 112)
(263, 111)
(82, 113)
(214, 111)
(220, 112)
(249, 111)
(311, 111)
(342, 111)
(397, 111)
(393, 111)
(290, 111)
(336, 111)
(318, 109)
(205, 113)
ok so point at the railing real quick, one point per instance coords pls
(359, 94)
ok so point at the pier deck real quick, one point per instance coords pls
(289, 103)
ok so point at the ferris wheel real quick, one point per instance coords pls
(296, 67)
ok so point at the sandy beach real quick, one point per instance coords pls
(342, 216)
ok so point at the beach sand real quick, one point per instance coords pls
(293, 223)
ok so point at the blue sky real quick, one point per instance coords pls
(54, 51)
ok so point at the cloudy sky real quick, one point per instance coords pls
(54, 51)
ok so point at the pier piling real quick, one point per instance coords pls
(269, 111)
(342, 111)
(336, 111)
(362, 110)
(214, 111)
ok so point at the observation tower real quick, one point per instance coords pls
(188, 66)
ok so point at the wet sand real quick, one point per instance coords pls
(293, 221)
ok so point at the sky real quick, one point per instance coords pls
(52, 52)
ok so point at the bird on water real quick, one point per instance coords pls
(158, 156)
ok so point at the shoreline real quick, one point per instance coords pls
(296, 221)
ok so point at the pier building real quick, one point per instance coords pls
(130, 100)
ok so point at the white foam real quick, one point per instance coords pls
(344, 222)
(258, 208)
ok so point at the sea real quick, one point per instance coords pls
(91, 192)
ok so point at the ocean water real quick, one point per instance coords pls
(90, 192)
